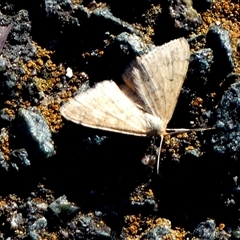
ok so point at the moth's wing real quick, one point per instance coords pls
(106, 107)
(133, 97)
(4, 31)
(158, 76)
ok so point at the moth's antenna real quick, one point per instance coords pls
(181, 130)
(160, 148)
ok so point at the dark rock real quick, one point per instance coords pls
(223, 235)
(202, 5)
(28, 53)
(16, 221)
(126, 46)
(131, 43)
(35, 133)
(98, 213)
(3, 65)
(9, 80)
(92, 228)
(42, 206)
(60, 12)
(218, 40)
(146, 202)
(31, 207)
(72, 225)
(62, 209)
(21, 28)
(18, 44)
(199, 67)
(32, 236)
(19, 159)
(39, 224)
(184, 15)
(205, 230)
(31, 92)
(3, 163)
(236, 233)
(52, 6)
(194, 153)
(4, 116)
(65, 234)
(95, 140)
(227, 137)
(104, 17)
(156, 233)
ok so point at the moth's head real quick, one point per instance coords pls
(156, 126)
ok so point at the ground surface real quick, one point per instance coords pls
(60, 180)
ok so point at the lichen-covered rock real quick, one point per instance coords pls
(62, 209)
(184, 15)
(227, 137)
(34, 133)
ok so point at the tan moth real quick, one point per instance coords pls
(144, 105)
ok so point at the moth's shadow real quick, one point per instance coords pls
(97, 172)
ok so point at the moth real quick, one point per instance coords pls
(144, 105)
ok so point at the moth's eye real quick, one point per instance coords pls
(149, 160)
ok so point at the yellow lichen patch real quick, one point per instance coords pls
(25, 104)
(43, 53)
(146, 193)
(4, 143)
(163, 222)
(224, 13)
(47, 77)
(191, 136)
(197, 102)
(52, 116)
(76, 2)
(134, 224)
(65, 94)
(53, 236)
(44, 85)
(172, 143)
(149, 192)
(150, 17)
(177, 233)
(46, 73)
(139, 225)
(10, 112)
(189, 148)
(2, 203)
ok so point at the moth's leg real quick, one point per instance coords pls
(160, 149)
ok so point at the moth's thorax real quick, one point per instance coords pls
(155, 125)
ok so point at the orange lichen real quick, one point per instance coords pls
(221, 226)
(150, 21)
(133, 224)
(47, 77)
(52, 116)
(197, 102)
(4, 143)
